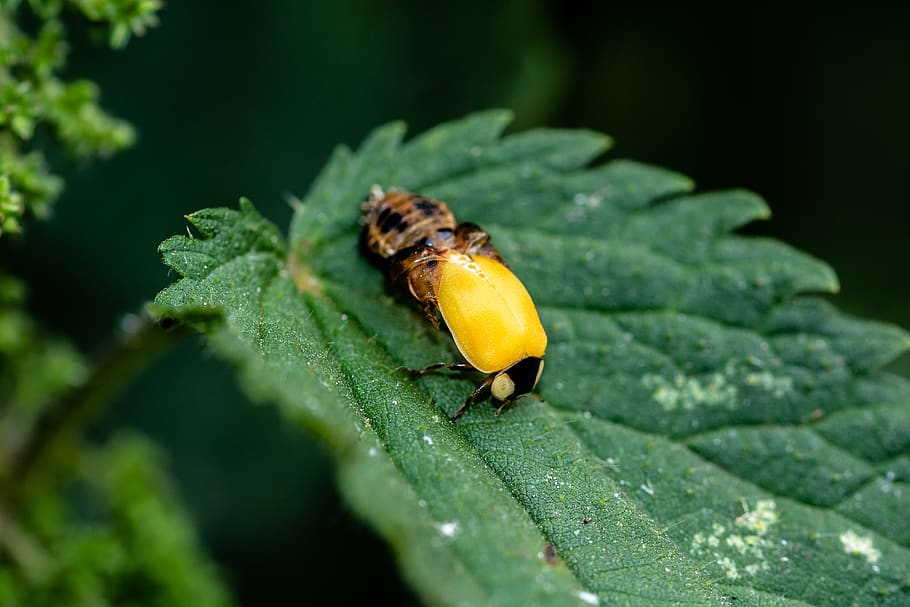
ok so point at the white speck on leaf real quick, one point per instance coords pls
(589, 597)
(427, 439)
(448, 529)
(860, 546)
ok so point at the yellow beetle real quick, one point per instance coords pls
(455, 270)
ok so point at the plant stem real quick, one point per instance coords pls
(22, 549)
(142, 339)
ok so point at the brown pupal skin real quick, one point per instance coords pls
(410, 234)
(400, 220)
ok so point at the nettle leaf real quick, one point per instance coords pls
(705, 434)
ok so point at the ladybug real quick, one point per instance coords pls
(456, 273)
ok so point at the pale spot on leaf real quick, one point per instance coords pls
(860, 546)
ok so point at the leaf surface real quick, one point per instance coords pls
(706, 434)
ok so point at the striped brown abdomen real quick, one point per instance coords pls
(396, 221)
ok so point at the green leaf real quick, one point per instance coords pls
(704, 431)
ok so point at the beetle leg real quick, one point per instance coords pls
(504, 404)
(482, 390)
(430, 305)
(436, 366)
(508, 402)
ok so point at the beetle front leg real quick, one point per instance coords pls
(437, 366)
(481, 391)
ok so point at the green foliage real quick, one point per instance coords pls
(34, 367)
(125, 18)
(33, 98)
(82, 526)
(109, 534)
(705, 432)
(79, 525)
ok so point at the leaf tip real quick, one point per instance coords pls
(500, 115)
(492, 121)
(606, 142)
(755, 207)
(832, 279)
(399, 127)
(194, 220)
(387, 136)
(246, 205)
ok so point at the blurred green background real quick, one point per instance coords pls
(248, 98)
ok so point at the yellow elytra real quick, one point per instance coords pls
(455, 271)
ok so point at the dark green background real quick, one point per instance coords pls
(248, 98)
